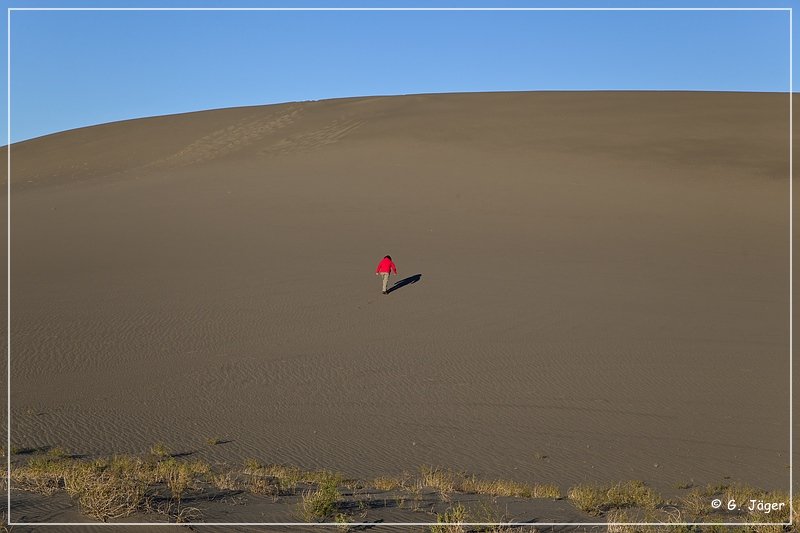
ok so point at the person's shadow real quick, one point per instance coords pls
(403, 282)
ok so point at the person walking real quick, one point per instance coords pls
(385, 268)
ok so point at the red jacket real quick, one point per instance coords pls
(386, 265)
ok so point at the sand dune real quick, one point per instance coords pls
(604, 290)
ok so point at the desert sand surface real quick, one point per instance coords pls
(604, 287)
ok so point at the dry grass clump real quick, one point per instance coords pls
(180, 477)
(595, 499)
(386, 483)
(588, 498)
(444, 481)
(501, 487)
(43, 475)
(343, 520)
(57, 453)
(633, 494)
(619, 521)
(325, 501)
(225, 481)
(251, 465)
(159, 449)
(451, 520)
(260, 481)
(178, 480)
(276, 479)
(317, 505)
(114, 487)
(321, 504)
(263, 485)
(273, 479)
(104, 493)
(448, 481)
(696, 503)
(322, 477)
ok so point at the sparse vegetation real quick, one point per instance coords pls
(225, 481)
(104, 493)
(448, 481)
(633, 494)
(43, 475)
(105, 489)
(619, 521)
(696, 502)
(285, 478)
(343, 520)
(714, 490)
(587, 498)
(57, 453)
(319, 505)
(513, 489)
(263, 485)
(451, 520)
(415, 490)
(387, 483)
(160, 450)
(443, 481)
(22, 450)
(110, 488)
(595, 499)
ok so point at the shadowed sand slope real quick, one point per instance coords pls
(604, 290)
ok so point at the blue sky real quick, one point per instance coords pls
(76, 68)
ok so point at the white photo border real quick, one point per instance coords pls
(355, 524)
